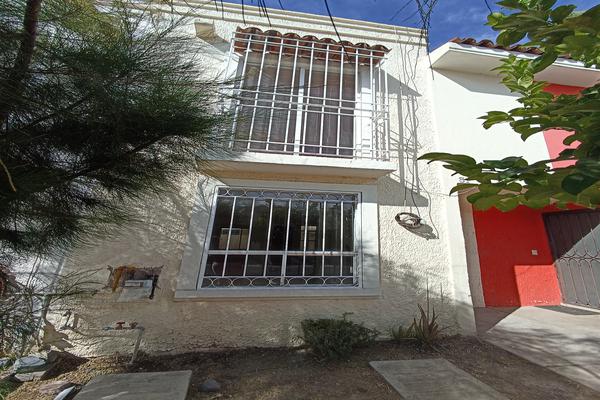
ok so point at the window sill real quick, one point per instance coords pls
(300, 164)
(277, 293)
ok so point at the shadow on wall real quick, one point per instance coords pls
(413, 196)
(477, 83)
(192, 326)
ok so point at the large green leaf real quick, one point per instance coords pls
(577, 182)
(560, 13)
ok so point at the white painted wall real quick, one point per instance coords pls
(460, 99)
(410, 261)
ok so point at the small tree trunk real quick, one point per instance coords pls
(16, 76)
(14, 82)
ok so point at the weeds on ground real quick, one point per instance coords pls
(6, 387)
(335, 339)
(425, 330)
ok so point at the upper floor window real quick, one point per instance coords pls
(308, 96)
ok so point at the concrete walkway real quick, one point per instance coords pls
(433, 379)
(563, 339)
(172, 385)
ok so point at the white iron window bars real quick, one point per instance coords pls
(307, 96)
(272, 238)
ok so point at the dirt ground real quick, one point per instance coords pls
(290, 374)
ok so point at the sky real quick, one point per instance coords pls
(450, 18)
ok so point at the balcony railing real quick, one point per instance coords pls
(309, 97)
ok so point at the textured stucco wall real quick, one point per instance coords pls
(410, 260)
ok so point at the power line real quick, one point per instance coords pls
(488, 6)
(408, 3)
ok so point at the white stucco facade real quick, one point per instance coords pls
(397, 264)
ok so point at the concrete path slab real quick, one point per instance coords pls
(563, 339)
(434, 379)
(140, 386)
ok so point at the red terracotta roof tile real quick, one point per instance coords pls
(255, 39)
(491, 45)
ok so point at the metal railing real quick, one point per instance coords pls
(293, 96)
(275, 238)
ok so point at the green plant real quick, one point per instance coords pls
(6, 387)
(426, 329)
(335, 339)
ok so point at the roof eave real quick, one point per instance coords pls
(481, 60)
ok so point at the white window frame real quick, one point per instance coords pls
(196, 249)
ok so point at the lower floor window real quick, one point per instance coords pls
(272, 238)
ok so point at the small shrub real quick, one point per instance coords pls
(426, 329)
(335, 339)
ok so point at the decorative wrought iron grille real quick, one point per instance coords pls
(271, 238)
(575, 241)
(302, 95)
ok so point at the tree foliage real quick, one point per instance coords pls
(99, 106)
(512, 181)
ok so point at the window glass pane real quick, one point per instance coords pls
(218, 240)
(348, 226)
(235, 265)
(297, 221)
(333, 223)
(263, 111)
(332, 266)
(256, 265)
(246, 100)
(260, 224)
(314, 230)
(279, 119)
(330, 118)
(279, 225)
(214, 265)
(313, 266)
(274, 265)
(312, 120)
(293, 266)
(241, 224)
(347, 111)
(348, 267)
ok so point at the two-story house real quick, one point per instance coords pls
(299, 219)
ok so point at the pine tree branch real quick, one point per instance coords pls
(8, 175)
